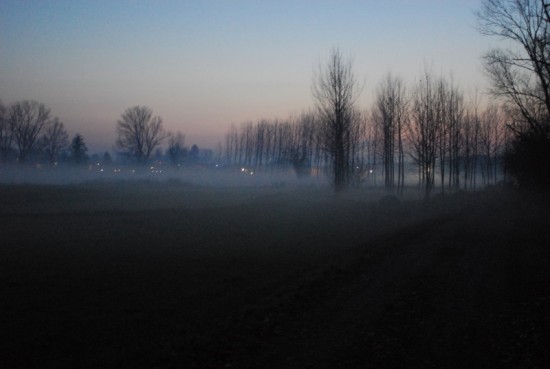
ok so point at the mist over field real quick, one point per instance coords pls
(152, 273)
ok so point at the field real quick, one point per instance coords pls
(142, 274)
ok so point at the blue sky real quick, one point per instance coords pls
(202, 65)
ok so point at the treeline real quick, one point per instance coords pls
(29, 133)
(293, 143)
(452, 143)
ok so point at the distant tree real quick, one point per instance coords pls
(55, 139)
(194, 154)
(176, 148)
(27, 120)
(139, 133)
(520, 74)
(335, 91)
(5, 133)
(78, 150)
(107, 159)
(390, 114)
(425, 129)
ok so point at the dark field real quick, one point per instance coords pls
(168, 275)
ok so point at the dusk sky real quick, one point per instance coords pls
(203, 65)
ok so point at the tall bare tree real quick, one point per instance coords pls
(521, 74)
(139, 133)
(390, 115)
(425, 129)
(335, 91)
(55, 139)
(27, 121)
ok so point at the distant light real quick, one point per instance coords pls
(216, 165)
(370, 171)
(242, 169)
(251, 173)
(133, 171)
(101, 170)
(152, 168)
(97, 164)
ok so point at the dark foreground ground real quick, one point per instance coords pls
(174, 276)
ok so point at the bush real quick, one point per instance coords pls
(528, 160)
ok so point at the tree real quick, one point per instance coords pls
(424, 130)
(27, 120)
(176, 150)
(194, 154)
(55, 139)
(390, 115)
(335, 91)
(139, 133)
(521, 76)
(5, 132)
(78, 150)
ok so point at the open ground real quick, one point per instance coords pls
(172, 275)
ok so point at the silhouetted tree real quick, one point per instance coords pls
(27, 120)
(390, 115)
(424, 130)
(55, 139)
(139, 133)
(176, 150)
(521, 76)
(5, 132)
(78, 150)
(194, 154)
(107, 159)
(335, 91)
(527, 159)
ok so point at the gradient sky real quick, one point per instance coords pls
(202, 65)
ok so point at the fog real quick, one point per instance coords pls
(210, 267)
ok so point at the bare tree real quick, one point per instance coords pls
(5, 132)
(424, 130)
(335, 91)
(55, 139)
(390, 115)
(27, 120)
(176, 147)
(139, 133)
(520, 75)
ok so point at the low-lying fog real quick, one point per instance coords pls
(210, 176)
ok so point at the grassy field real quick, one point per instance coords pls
(173, 275)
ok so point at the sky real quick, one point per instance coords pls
(203, 65)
